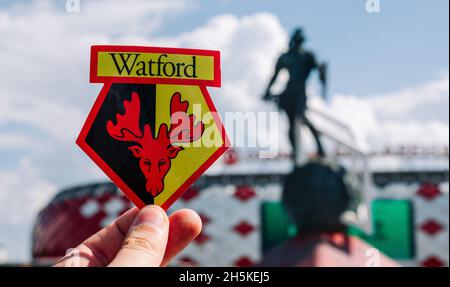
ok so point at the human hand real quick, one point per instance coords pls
(146, 238)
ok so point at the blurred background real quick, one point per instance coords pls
(388, 85)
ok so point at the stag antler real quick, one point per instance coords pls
(127, 125)
(183, 129)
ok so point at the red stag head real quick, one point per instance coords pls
(155, 153)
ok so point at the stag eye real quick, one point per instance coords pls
(162, 162)
(147, 162)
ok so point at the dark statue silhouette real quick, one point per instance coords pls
(299, 63)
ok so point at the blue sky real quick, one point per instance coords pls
(369, 53)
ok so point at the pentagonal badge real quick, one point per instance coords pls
(153, 129)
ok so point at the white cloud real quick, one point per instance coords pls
(45, 96)
(34, 191)
(425, 102)
(14, 141)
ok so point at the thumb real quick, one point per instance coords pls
(146, 241)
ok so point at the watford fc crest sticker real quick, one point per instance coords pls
(153, 129)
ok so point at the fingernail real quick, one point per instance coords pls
(152, 216)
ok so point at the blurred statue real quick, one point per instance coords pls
(315, 196)
(299, 63)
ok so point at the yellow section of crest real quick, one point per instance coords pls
(155, 65)
(195, 154)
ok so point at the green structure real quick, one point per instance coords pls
(392, 220)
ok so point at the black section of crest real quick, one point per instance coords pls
(116, 153)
